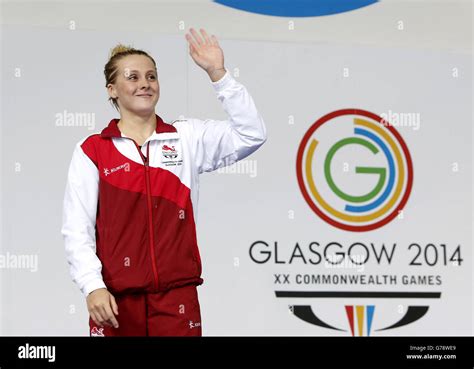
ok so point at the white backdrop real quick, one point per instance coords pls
(295, 77)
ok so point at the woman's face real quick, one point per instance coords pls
(136, 85)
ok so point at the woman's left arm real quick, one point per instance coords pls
(221, 143)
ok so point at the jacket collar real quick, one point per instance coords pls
(112, 129)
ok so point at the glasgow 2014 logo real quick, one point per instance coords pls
(354, 170)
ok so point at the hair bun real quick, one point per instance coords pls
(120, 48)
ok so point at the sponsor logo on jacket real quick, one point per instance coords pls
(125, 166)
(169, 152)
(170, 155)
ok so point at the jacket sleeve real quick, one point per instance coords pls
(78, 225)
(221, 143)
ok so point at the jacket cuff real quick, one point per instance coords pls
(223, 82)
(93, 285)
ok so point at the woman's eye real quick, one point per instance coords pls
(130, 77)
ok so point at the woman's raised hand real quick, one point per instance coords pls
(206, 53)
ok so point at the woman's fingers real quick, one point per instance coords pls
(97, 318)
(200, 40)
(192, 49)
(189, 38)
(114, 305)
(94, 318)
(109, 316)
(197, 38)
(105, 314)
(205, 36)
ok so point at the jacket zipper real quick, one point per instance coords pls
(150, 218)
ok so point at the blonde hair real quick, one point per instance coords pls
(110, 71)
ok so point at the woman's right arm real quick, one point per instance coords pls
(79, 216)
(78, 230)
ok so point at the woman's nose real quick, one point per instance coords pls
(145, 83)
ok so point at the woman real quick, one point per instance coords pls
(131, 196)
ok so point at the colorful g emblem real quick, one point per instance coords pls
(354, 170)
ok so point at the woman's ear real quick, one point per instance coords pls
(111, 91)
